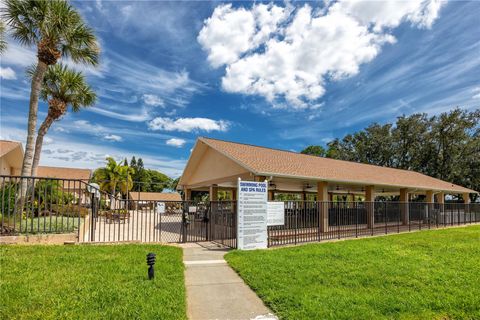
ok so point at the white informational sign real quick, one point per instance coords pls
(192, 209)
(252, 215)
(275, 213)
(160, 207)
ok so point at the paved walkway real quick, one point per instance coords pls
(214, 290)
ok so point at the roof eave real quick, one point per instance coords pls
(363, 183)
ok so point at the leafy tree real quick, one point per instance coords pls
(445, 146)
(133, 163)
(157, 181)
(61, 88)
(318, 151)
(141, 178)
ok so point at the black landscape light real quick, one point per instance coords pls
(150, 262)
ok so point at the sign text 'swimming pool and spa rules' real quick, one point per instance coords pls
(252, 215)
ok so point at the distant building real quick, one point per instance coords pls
(147, 200)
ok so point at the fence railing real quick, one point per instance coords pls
(34, 205)
(316, 221)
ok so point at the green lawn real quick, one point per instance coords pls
(90, 282)
(422, 275)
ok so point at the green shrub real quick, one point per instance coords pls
(69, 210)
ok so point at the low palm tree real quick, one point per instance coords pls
(114, 177)
(57, 30)
(62, 87)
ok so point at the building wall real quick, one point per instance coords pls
(11, 163)
(214, 166)
(5, 168)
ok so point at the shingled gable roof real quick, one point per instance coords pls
(155, 196)
(264, 161)
(64, 173)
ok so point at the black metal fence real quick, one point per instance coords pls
(68, 206)
(316, 221)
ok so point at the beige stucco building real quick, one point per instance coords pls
(11, 157)
(217, 165)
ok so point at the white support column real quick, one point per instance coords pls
(370, 203)
(322, 198)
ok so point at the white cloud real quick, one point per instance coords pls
(176, 142)
(188, 124)
(132, 117)
(476, 93)
(7, 74)
(18, 55)
(153, 100)
(113, 137)
(230, 32)
(277, 52)
(389, 14)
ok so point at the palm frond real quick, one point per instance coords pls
(67, 85)
(55, 23)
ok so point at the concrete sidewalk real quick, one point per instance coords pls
(214, 290)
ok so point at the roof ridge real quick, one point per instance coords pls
(309, 155)
(56, 167)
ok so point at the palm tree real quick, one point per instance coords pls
(61, 87)
(114, 177)
(57, 30)
(3, 42)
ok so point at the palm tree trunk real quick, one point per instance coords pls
(36, 85)
(42, 131)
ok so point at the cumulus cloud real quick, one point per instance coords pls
(188, 124)
(7, 73)
(176, 142)
(290, 53)
(153, 100)
(113, 137)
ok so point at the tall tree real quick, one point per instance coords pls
(410, 141)
(61, 88)
(318, 151)
(56, 29)
(444, 146)
(3, 42)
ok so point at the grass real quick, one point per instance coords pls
(90, 282)
(422, 275)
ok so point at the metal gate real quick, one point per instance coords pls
(35, 205)
(177, 222)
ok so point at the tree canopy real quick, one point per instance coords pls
(444, 146)
(143, 180)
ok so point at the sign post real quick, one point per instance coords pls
(252, 215)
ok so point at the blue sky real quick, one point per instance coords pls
(283, 75)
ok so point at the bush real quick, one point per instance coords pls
(69, 210)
